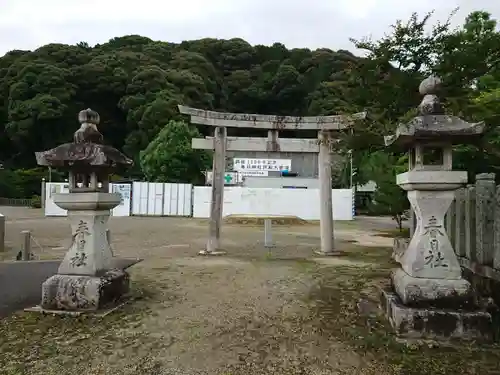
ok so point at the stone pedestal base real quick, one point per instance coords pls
(433, 323)
(84, 293)
(421, 292)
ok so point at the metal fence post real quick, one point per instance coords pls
(43, 194)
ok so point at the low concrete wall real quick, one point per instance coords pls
(302, 203)
(21, 281)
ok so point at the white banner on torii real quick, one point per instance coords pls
(261, 165)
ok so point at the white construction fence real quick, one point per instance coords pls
(161, 199)
(165, 199)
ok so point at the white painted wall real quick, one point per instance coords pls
(51, 209)
(280, 182)
(303, 203)
(161, 199)
(164, 199)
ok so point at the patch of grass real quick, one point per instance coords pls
(9, 253)
(346, 224)
(246, 220)
(336, 302)
(376, 255)
(395, 233)
(303, 263)
(29, 340)
(269, 255)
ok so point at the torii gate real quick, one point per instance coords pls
(220, 143)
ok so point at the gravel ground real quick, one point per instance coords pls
(252, 311)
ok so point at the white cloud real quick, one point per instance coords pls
(60, 12)
(28, 24)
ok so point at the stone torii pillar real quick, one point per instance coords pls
(325, 194)
(324, 125)
(217, 201)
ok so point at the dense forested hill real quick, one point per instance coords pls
(135, 84)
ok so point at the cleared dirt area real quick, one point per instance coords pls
(254, 311)
(153, 237)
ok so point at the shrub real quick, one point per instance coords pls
(25, 183)
(36, 201)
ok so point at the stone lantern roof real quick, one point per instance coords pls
(86, 151)
(432, 125)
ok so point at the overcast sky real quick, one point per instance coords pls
(29, 24)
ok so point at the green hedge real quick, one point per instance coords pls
(25, 183)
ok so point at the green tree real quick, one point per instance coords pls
(389, 198)
(386, 83)
(136, 83)
(39, 101)
(170, 158)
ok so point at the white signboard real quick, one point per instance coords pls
(255, 164)
(230, 178)
(125, 190)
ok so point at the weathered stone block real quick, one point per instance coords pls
(434, 323)
(429, 253)
(399, 246)
(90, 252)
(421, 292)
(485, 214)
(84, 293)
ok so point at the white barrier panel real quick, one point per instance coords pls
(161, 199)
(155, 198)
(51, 209)
(177, 199)
(303, 203)
(51, 188)
(139, 198)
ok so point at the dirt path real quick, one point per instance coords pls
(245, 313)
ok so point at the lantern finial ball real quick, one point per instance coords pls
(430, 86)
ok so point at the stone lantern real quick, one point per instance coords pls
(429, 283)
(89, 277)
